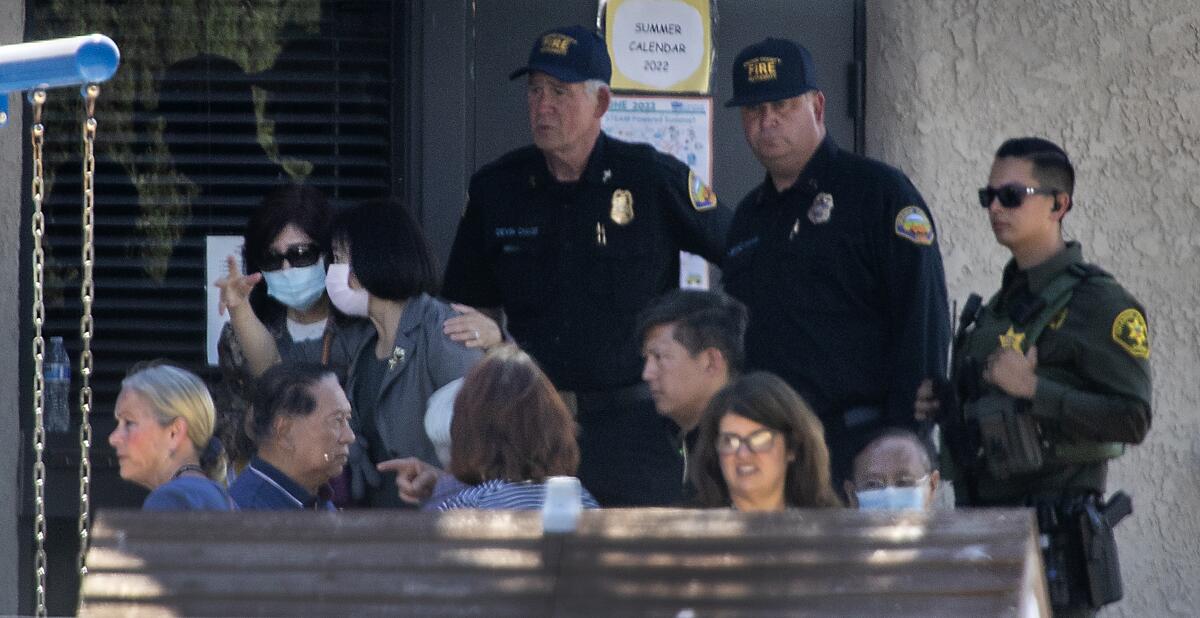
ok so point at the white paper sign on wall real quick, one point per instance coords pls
(661, 45)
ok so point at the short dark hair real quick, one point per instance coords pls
(924, 447)
(301, 205)
(388, 251)
(767, 400)
(509, 423)
(703, 319)
(1051, 166)
(284, 390)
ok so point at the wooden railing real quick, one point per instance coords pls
(660, 562)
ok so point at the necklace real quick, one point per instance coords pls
(185, 468)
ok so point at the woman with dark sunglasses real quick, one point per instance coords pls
(287, 241)
(760, 448)
(397, 357)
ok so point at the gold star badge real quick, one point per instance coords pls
(1012, 340)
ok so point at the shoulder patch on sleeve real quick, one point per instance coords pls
(1130, 332)
(703, 197)
(913, 225)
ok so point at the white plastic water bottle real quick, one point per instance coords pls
(57, 369)
(563, 503)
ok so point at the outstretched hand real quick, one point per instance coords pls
(235, 287)
(415, 479)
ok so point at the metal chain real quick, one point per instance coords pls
(87, 290)
(38, 133)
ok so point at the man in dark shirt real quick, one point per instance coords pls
(836, 257)
(571, 237)
(693, 345)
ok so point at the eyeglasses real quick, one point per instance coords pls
(759, 441)
(902, 482)
(298, 256)
(1010, 196)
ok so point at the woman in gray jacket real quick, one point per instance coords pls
(383, 271)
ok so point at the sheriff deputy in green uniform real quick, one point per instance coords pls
(1050, 379)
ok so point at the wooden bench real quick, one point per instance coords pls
(659, 562)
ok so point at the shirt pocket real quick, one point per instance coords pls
(828, 272)
(520, 271)
(628, 264)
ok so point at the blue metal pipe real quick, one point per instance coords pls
(72, 61)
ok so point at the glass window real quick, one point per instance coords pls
(214, 103)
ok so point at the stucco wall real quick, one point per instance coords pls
(1118, 83)
(12, 29)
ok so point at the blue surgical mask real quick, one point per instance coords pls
(894, 498)
(298, 288)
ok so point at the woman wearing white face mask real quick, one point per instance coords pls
(286, 244)
(383, 270)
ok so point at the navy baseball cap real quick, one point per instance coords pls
(772, 70)
(571, 54)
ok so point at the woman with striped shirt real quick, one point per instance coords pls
(510, 432)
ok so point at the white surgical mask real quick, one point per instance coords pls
(894, 498)
(297, 288)
(348, 301)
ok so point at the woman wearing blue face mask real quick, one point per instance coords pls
(287, 241)
(397, 356)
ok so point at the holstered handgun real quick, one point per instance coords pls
(1082, 566)
(1102, 566)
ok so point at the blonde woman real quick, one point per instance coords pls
(164, 440)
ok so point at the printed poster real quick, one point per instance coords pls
(660, 45)
(217, 249)
(680, 127)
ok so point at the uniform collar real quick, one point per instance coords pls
(593, 171)
(809, 180)
(1041, 275)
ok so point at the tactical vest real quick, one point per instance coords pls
(1019, 329)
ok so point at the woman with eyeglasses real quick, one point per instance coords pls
(760, 448)
(287, 243)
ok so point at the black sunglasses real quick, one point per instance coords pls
(298, 256)
(1010, 196)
